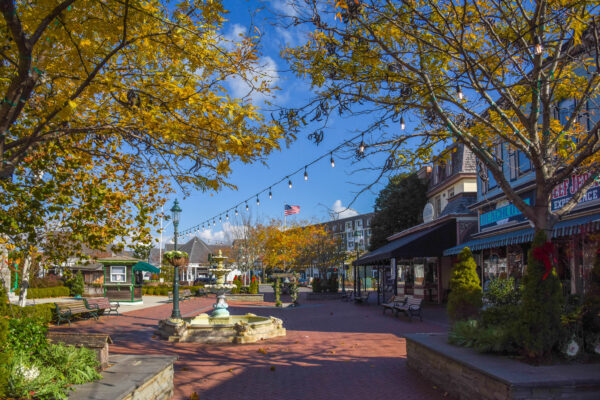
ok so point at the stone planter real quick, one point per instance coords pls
(246, 297)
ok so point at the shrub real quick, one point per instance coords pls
(277, 290)
(591, 309)
(539, 321)
(235, 290)
(463, 333)
(253, 289)
(464, 300)
(333, 284)
(5, 352)
(27, 335)
(502, 291)
(316, 285)
(77, 285)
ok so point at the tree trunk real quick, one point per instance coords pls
(544, 219)
(4, 270)
(25, 281)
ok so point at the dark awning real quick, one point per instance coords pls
(562, 228)
(144, 266)
(429, 242)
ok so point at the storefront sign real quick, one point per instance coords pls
(502, 215)
(565, 191)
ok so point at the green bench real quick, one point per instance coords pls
(68, 310)
(185, 294)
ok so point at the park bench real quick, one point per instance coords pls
(202, 292)
(67, 311)
(363, 297)
(101, 304)
(393, 302)
(411, 307)
(185, 294)
(348, 295)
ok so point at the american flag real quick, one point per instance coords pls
(289, 210)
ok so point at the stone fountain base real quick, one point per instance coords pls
(247, 328)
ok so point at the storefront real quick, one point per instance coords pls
(123, 278)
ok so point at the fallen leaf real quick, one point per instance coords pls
(194, 396)
(184, 368)
(262, 351)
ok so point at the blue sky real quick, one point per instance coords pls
(326, 189)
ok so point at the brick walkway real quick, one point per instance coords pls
(333, 350)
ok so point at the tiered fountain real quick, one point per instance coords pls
(220, 326)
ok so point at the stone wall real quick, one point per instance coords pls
(466, 374)
(246, 297)
(160, 387)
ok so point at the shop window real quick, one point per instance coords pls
(118, 274)
(419, 274)
(438, 206)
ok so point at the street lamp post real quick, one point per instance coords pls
(175, 212)
(356, 241)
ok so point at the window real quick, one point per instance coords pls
(450, 192)
(358, 223)
(438, 206)
(348, 225)
(368, 221)
(335, 228)
(118, 274)
(435, 174)
(524, 163)
(449, 165)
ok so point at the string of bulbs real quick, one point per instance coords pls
(244, 203)
(361, 148)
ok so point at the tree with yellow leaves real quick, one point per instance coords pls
(521, 76)
(105, 104)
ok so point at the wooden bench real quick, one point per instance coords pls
(411, 307)
(363, 297)
(67, 311)
(202, 292)
(393, 302)
(348, 295)
(185, 294)
(101, 304)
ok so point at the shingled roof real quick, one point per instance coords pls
(197, 250)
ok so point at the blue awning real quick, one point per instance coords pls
(562, 228)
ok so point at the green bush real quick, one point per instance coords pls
(5, 352)
(539, 322)
(76, 284)
(463, 333)
(42, 293)
(591, 309)
(465, 300)
(27, 335)
(502, 291)
(316, 285)
(253, 289)
(470, 333)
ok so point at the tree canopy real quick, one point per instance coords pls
(523, 74)
(398, 206)
(106, 104)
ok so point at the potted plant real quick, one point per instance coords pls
(176, 258)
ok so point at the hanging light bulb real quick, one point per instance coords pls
(305, 174)
(227, 216)
(246, 206)
(289, 182)
(361, 147)
(257, 201)
(402, 124)
(538, 48)
(214, 222)
(459, 92)
(332, 161)
(270, 194)
(220, 219)
(236, 212)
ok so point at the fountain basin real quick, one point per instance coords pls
(248, 328)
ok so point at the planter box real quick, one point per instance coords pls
(246, 297)
(323, 296)
(466, 374)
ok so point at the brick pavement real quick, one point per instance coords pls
(333, 350)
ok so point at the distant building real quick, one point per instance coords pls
(353, 231)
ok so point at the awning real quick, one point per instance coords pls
(144, 266)
(426, 243)
(562, 228)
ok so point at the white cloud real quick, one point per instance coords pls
(340, 211)
(263, 74)
(285, 7)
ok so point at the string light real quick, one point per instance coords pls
(305, 174)
(257, 201)
(220, 219)
(332, 161)
(402, 124)
(214, 222)
(227, 216)
(289, 182)
(459, 92)
(236, 212)
(246, 206)
(270, 194)
(538, 48)
(361, 147)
